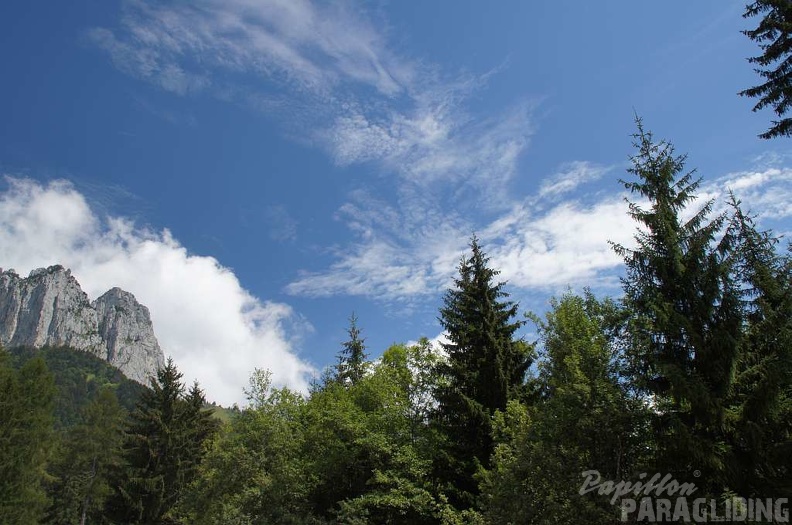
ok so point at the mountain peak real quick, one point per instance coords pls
(49, 308)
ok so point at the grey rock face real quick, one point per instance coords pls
(126, 329)
(48, 308)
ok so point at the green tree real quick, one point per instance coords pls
(26, 439)
(760, 408)
(352, 360)
(686, 314)
(163, 446)
(774, 36)
(486, 367)
(89, 453)
(585, 420)
(255, 472)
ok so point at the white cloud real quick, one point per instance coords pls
(567, 245)
(766, 191)
(571, 176)
(540, 243)
(215, 330)
(362, 101)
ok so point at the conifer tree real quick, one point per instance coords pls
(163, 445)
(686, 307)
(760, 416)
(485, 368)
(774, 36)
(352, 359)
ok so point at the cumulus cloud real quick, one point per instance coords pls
(215, 330)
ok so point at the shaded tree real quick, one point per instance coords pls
(760, 408)
(88, 455)
(773, 34)
(163, 445)
(485, 367)
(26, 439)
(686, 313)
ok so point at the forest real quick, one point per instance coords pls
(686, 375)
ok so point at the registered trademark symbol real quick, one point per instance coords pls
(696, 473)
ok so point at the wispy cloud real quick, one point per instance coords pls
(539, 244)
(570, 176)
(361, 100)
(363, 103)
(215, 329)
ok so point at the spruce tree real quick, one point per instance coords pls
(686, 308)
(352, 359)
(760, 416)
(774, 36)
(162, 447)
(485, 368)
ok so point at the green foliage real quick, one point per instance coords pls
(163, 448)
(584, 421)
(485, 368)
(89, 453)
(686, 313)
(79, 377)
(352, 360)
(26, 439)
(254, 472)
(774, 36)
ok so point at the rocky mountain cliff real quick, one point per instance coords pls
(48, 308)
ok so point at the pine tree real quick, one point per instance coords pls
(163, 445)
(687, 313)
(352, 360)
(774, 36)
(485, 368)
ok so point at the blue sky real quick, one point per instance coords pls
(255, 171)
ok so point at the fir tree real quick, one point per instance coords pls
(774, 36)
(352, 359)
(686, 307)
(163, 445)
(760, 417)
(485, 368)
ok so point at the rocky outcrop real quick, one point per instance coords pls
(48, 308)
(126, 329)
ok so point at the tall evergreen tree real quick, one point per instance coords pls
(163, 445)
(26, 439)
(352, 359)
(485, 368)
(760, 416)
(774, 36)
(687, 313)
